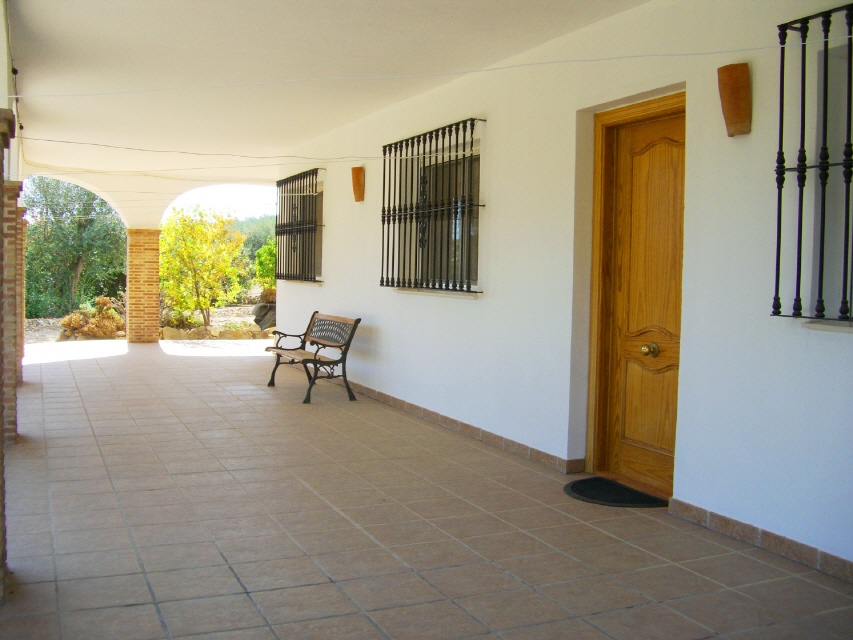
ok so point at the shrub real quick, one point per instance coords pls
(100, 321)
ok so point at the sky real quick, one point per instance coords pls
(239, 201)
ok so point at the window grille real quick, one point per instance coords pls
(431, 210)
(299, 225)
(814, 244)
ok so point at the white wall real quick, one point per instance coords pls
(764, 428)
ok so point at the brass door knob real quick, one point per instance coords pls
(650, 350)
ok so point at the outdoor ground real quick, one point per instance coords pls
(47, 329)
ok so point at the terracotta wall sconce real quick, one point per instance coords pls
(358, 183)
(736, 98)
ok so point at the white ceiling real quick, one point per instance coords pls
(238, 78)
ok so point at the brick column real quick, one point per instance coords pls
(143, 285)
(21, 290)
(7, 131)
(11, 222)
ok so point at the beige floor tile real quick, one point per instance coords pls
(573, 536)
(441, 620)
(257, 548)
(508, 609)
(653, 622)
(470, 580)
(380, 514)
(95, 564)
(734, 570)
(31, 569)
(435, 555)
(28, 599)
(667, 582)
(402, 533)
(726, 611)
(209, 615)
(536, 518)
(560, 630)
(595, 594)
(680, 546)
(153, 535)
(360, 564)
(469, 526)
(547, 568)
(95, 593)
(81, 541)
(201, 582)
(386, 592)
(181, 556)
(795, 597)
(138, 622)
(257, 633)
(614, 558)
(303, 603)
(333, 541)
(35, 627)
(793, 630)
(502, 546)
(311, 521)
(352, 627)
(279, 574)
(634, 527)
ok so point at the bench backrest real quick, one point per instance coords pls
(331, 331)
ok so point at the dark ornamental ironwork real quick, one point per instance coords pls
(814, 247)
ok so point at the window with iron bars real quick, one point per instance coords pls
(814, 166)
(431, 210)
(299, 226)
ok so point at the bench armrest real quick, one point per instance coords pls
(280, 336)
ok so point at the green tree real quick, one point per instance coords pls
(258, 231)
(76, 247)
(265, 265)
(200, 262)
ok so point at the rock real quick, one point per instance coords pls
(121, 334)
(173, 334)
(199, 333)
(235, 334)
(264, 315)
(215, 331)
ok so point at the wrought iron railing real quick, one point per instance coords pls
(430, 210)
(298, 228)
(814, 246)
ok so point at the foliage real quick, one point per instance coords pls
(200, 261)
(100, 321)
(265, 265)
(258, 232)
(76, 247)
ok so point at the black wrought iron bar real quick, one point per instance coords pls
(382, 247)
(801, 172)
(469, 211)
(793, 25)
(429, 214)
(847, 173)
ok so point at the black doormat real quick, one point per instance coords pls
(611, 494)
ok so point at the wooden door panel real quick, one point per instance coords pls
(649, 414)
(640, 326)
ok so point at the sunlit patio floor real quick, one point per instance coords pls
(163, 491)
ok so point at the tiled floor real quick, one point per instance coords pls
(172, 496)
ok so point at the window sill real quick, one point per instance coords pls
(836, 326)
(441, 293)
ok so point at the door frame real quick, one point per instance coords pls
(606, 122)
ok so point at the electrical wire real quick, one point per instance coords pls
(413, 76)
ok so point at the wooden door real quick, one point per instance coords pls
(637, 292)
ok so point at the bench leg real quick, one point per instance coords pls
(346, 382)
(271, 383)
(311, 380)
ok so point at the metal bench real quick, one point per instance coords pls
(322, 349)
